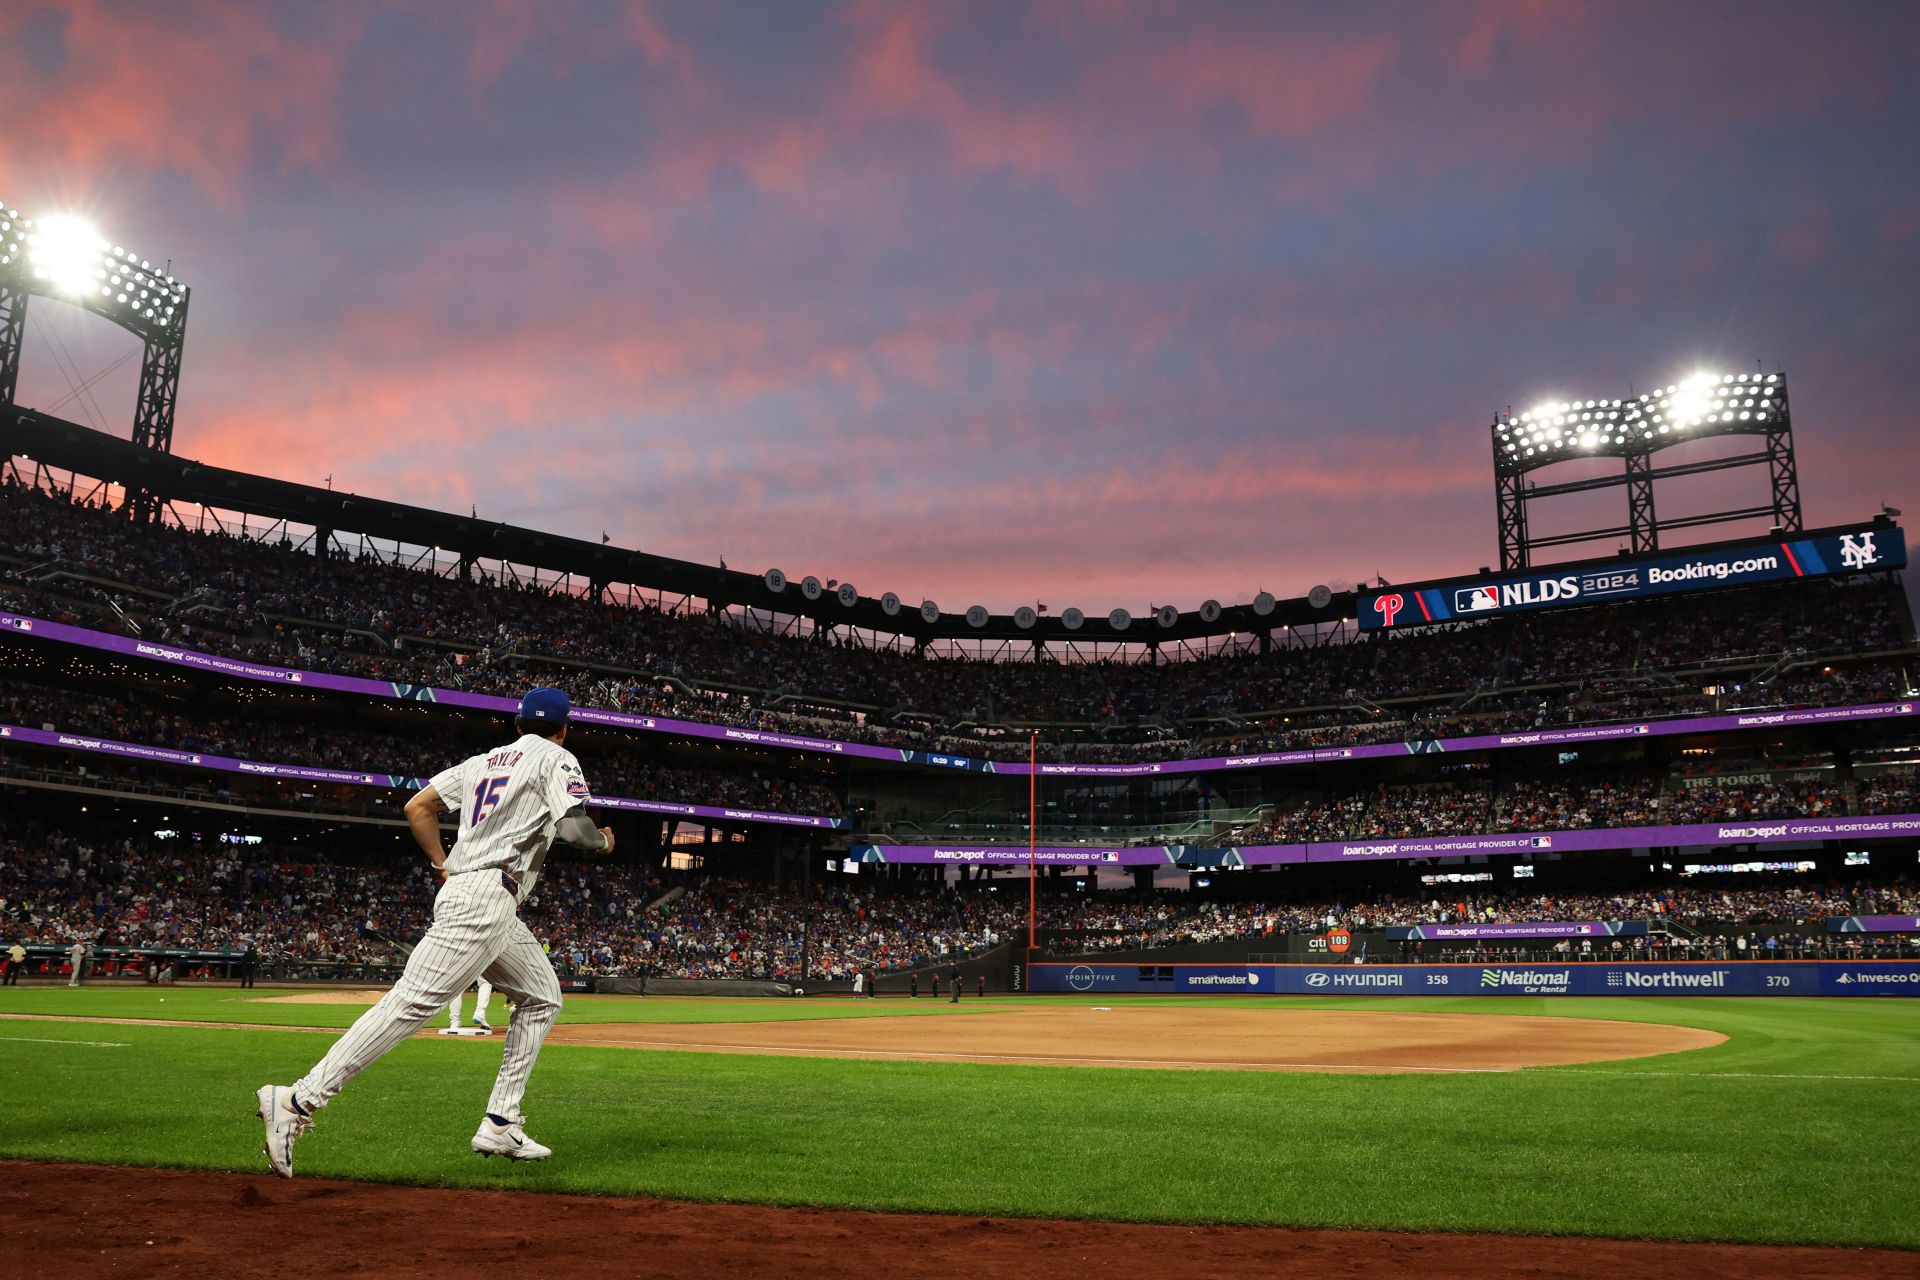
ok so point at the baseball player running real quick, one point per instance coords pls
(513, 801)
(481, 999)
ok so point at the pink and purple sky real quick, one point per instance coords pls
(1092, 303)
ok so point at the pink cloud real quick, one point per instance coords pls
(201, 89)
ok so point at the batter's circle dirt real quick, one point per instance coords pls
(1202, 1037)
(61, 1220)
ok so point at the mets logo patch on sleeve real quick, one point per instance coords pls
(577, 788)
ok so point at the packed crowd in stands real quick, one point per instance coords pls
(283, 605)
(728, 929)
(308, 915)
(1894, 791)
(807, 786)
(1715, 909)
(804, 785)
(1620, 800)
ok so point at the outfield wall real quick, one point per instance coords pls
(1678, 978)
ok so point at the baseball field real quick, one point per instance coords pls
(1757, 1122)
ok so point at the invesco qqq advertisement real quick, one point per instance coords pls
(1851, 551)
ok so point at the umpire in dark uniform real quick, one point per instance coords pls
(957, 980)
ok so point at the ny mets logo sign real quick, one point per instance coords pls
(1389, 607)
(1857, 550)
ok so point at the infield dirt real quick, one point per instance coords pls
(1212, 1038)
(62, 1220)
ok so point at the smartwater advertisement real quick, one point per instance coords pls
(1853, 551)
(1810, 978)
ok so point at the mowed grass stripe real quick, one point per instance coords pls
(1603, 1150)
(260, 1006)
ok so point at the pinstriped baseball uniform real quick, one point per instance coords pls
(482, 996)
(510, 800)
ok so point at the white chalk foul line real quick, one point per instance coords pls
(1206, 1064)
(91, 1044)
(918, 1055)
(1723, 1075)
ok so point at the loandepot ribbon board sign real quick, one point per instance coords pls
(1881, 546)
(1017, 855)
(1537, 929)
(1873, 924)
(1522, 843)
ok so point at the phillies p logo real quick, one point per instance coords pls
(1389, 607)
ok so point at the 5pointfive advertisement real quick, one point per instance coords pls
(1879, 546)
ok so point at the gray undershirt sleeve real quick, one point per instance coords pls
(577, 829)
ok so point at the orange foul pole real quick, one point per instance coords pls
(1033, 819)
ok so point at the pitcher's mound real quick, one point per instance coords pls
(1203, 1038)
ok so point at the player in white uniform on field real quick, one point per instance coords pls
(513, 802)
(482, 997)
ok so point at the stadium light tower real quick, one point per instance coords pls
(65, 257)
(1634, 430)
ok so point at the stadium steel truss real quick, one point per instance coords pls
(65, 259)
(1703, 406)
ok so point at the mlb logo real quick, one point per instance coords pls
(1541, 842)
(1109, 857)
(5, 731)
(295, 676)
(1906, 708)
(20, 624)
(1476, 599)
(1643, 728)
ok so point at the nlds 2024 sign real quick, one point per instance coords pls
(1881, 546)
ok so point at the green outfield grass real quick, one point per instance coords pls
(1801, 1128)
(259, 1006)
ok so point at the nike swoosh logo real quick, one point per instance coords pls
(518, 1141)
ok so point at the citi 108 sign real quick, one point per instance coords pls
(1881, 546)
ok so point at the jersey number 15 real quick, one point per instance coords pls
(486, 796)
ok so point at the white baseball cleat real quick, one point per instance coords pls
(283, 1125)
(511, 1142)
(486, 1028)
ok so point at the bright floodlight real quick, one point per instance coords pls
(1700, 405)
(64, 250)
(65, 256)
